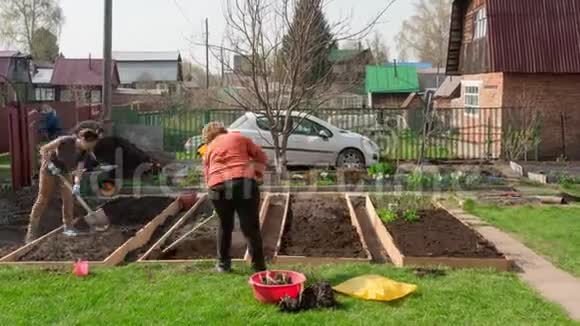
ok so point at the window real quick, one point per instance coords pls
(471, 95)
(95, 96)
(264, 123)
(308, 127)
(480, 30)
(44, 94)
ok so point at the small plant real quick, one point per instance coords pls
(276, 279)
(380, 171)
(419, 179)
(469, 205)
(325, 179)
(411, 216)
(387, 215)
(193, 178)
(567, 181)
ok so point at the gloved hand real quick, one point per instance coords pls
(54, 170)
(76, 190)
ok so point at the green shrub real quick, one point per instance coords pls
(411, 216)
(382, 170)
(469, 205)
(387, 215)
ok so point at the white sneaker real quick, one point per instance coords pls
(70, 232)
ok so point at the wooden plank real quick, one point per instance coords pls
(283, 226)
(175, 226)
(384, 236)
(184, 262)
(314, 261)
(538, 177)
(50, 264)
(356, 224)
(142, 236)
(263, 214)
(498, 264)
(15, 255)
(518, 169)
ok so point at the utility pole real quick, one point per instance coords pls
(206, 53)
(222, 62)
(108, 64)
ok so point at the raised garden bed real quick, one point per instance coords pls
(133, 221)
(436, 238)
(318, 229)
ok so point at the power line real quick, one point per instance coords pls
(182, 12)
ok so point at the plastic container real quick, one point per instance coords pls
(187, 200)
(272, 294)
(81, 268)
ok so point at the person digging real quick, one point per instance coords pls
(65, 156)
(232, 166)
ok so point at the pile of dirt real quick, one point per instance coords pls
(131, 157)
(316, 296)
(439, 234)
(320, 227)
(127, 215)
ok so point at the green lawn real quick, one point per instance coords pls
(5, 175)
(196, 296)
(552, 231)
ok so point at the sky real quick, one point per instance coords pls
(171, 25)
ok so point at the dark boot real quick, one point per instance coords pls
(224, 267)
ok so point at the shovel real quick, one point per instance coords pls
(98, 219)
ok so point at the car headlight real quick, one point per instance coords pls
(369, 145)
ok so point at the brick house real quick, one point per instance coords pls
(518, 53)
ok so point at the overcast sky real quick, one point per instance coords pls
(160, 25)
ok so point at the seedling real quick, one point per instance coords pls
(387, 215)
(276, 279)
(411, 216)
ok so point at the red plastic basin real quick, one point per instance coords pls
(274, 293)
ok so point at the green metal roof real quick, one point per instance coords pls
(381, 79)
(340, 55)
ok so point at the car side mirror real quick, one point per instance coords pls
(323, 134)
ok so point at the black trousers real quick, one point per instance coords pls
(241, 196)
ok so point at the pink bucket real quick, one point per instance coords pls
(81, 268)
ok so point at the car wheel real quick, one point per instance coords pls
(350, 158)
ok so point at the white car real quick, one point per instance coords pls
(314, 142)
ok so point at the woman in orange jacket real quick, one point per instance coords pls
(232, 166)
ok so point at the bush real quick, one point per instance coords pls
(194, 178)
(382, 170)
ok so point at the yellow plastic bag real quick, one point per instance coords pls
(375, 288)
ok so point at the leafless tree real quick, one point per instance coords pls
(381, 52)
(521, 130)
(426, 33)
(279, 85)
(21, 19)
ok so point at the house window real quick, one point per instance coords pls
(95, 96)
(471, 95)
(480, 30)
(44, 94)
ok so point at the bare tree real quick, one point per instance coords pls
(381, 52)
(279, 84)
(521, 130)
(21, 19)
(426, 33)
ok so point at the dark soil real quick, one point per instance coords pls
(127, 215)
(272, 226)
(159, 232)
(202, 244)
(438, 234)
(15, 210)
(320, 227)
(131, 156)
(374, 245)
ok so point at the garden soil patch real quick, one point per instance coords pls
(127, 215)
(159, 232)
(15, 210)
(439, 234)
(320, 227)
(131, 156)
(202, 244)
